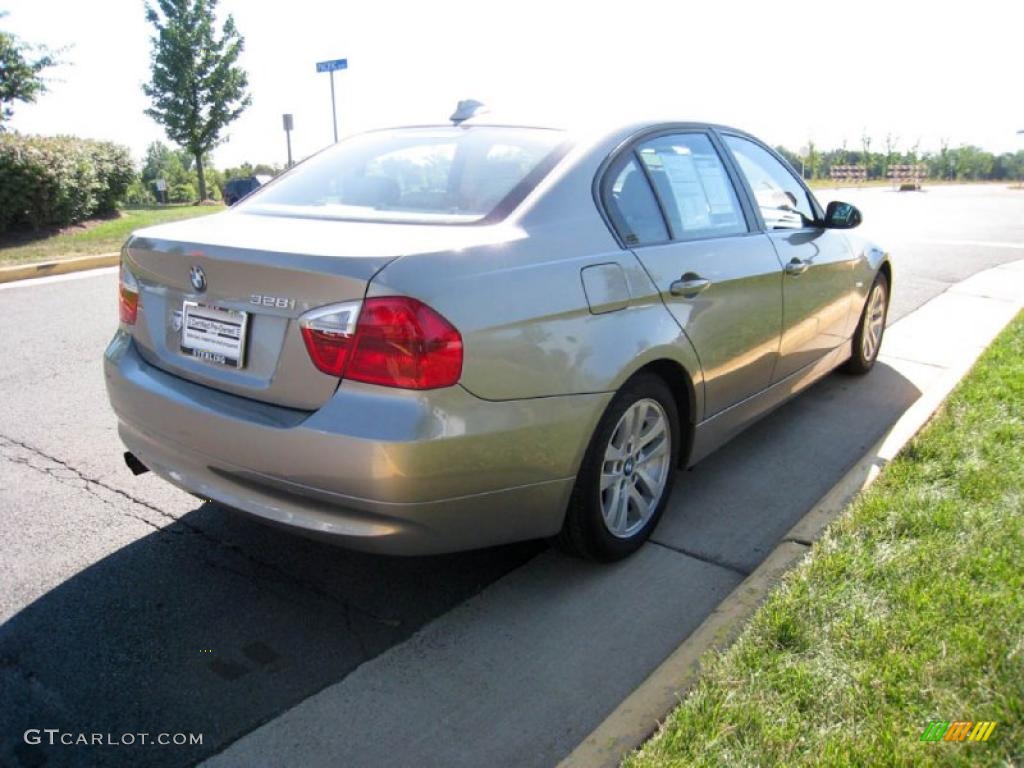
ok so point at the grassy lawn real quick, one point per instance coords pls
(94, 237)
(910, 609)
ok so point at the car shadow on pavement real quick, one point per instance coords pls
(210, 625)
(734, 507)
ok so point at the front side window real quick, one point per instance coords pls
(782, 200)
(445, 175)
(695, 190)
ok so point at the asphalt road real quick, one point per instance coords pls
(130, 607)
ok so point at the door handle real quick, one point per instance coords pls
(689, 285)
(796, 266)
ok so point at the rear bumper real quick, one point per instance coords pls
(378, 469)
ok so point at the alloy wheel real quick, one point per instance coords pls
(874, 323)
(636, 468)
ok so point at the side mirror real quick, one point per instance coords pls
(842, 216)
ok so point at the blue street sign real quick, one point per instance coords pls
(330, 66)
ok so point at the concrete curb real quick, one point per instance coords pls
(638, 717)
(45, 268)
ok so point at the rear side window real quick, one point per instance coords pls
(695, 190)
(442, 175)
(633, 208)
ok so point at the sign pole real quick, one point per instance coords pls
(334, 109)
(329, 67)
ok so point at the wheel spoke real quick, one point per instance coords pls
(622, 437)
(614, 452)
(638, 425)
(657, 452)
(611, 506)
(652, 485)
(620, 523)
(628, 420)
(656, 430)
(608, 478)
(642, 504)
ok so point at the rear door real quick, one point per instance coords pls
(673, 202)
(818, 263)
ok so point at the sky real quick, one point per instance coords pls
(787, 72)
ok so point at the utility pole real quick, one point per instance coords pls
(331, 66)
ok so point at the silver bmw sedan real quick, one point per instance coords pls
(437, 338)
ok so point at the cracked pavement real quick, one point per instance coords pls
(130, 606)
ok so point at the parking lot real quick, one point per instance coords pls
(130, 606)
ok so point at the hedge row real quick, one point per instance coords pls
(59, 180)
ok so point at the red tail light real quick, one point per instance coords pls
(329, 333)
(396, 342)
(401, 342)
(128, 297)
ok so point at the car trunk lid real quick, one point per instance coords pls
(263, 272)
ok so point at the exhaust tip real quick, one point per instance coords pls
(136, 466)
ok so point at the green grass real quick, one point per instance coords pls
(96, 237)
(910, 609)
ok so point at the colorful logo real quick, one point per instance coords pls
(958, 730)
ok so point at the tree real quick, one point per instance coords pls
(944, 159)
(197, 88)
(865, 146)
(913, 152)
(177, 168)
(263, 169)
(792, 158)
(812, 159)
(20, 72)
(156, 161)
(890, 150)
(973, 162)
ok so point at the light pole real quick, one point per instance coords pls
(289, 123)
(331, 66)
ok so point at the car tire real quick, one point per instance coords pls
(627, 473)
(868, 338)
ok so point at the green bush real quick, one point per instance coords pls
(139, 194)
(115, 172)
(59, 180)
(182, 193)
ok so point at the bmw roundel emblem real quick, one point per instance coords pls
(198, 278)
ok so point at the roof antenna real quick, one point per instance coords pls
(466, 109)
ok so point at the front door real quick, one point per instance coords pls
(818, 263)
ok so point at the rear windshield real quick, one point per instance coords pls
(444, 175)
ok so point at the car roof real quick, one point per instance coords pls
(592, 126)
